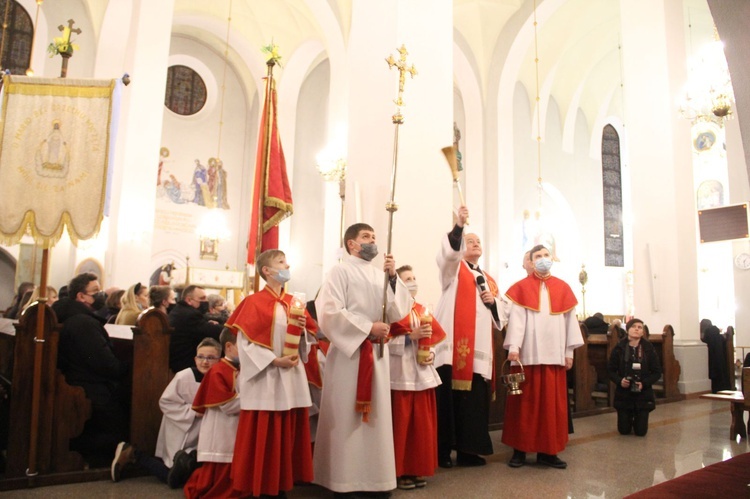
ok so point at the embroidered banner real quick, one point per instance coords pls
(55, 139)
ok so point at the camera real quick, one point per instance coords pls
(634, 380)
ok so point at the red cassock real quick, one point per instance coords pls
(537, 420)
(272, 450)
(212, 479)
(415, 412)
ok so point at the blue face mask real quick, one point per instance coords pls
(282, 276)
(543, 265)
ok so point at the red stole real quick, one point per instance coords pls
(364, 380)
(464, 326)
(312, 366)
(404, 326)
(217, 387)
(527, 293)
(255, 316)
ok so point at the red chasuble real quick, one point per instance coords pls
(527, 293)
(217, 387)
(464, 326)
(255, 316)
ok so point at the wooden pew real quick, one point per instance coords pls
(497, 406)
(63, 411)
(729, 355)
(666, 388)
(739, 403)
(65, 408)
(151, 375)
(589, 369)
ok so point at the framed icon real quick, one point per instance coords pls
(209, 248)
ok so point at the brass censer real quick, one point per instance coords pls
(513, 380)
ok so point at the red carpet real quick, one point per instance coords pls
(726, 479)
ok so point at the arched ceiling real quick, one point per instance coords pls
(578, 40)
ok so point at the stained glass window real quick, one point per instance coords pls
(614, 255)
(186, 91)
(16, 37)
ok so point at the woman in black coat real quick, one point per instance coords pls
(634, 367)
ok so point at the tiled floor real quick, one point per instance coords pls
(682, 437)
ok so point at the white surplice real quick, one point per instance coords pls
(351, 455)
(218, 432)
(449, 262)
(180, 425)
(265, 387)
(541, 337)
(406, 373)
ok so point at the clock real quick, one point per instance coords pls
(742, 261)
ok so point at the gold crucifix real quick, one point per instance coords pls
(402, 70)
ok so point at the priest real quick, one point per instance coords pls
(468, 310)
(542, 333)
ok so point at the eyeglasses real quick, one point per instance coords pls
(203, 358)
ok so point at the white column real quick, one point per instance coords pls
(146, 28)
(664, 216)
(423, 191)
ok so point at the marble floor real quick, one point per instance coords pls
(682, 437)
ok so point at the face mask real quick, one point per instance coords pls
(283, 276)
(171, 307)
(412, 286)
(203, 307)
(543, 265)
(368, 251)
(100, 300)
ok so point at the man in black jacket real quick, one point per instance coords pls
(190, 327)
(86, 358)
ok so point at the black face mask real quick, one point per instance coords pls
(100, 299)
(203, 307)
(171, 307)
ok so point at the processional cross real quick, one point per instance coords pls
(68, 53)
(398, 120)
(402, 70)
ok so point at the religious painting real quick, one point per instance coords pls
(207, 185)
(704, 140)
(92, 266)
(209, 248)
(710, 194)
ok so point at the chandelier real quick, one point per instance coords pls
(708, 94)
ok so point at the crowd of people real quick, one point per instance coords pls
(370, 392)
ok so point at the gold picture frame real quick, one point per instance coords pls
(209, 248)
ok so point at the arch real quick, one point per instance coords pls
(468, 85)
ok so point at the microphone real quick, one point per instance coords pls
(482, 282)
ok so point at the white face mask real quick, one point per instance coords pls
(543, 265)
(412, 286)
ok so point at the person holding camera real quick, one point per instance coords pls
(634, 367)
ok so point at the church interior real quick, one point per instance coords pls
(614, 132)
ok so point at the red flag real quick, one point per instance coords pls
(271, 190)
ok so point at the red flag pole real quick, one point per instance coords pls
(266, 165)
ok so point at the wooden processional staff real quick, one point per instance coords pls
(398, 120)
(41, 309)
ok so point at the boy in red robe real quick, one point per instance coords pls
(272, 451)
(413, 382)
(217, 401)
